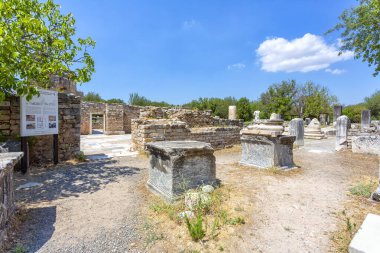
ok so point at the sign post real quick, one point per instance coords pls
(39, 116)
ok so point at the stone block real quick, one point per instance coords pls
(367, 144)
(296, 128)
(265, 151)
(176, 166)
(342, 126)
(366, 240)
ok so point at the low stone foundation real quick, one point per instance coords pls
(7, 202)
(145, 131)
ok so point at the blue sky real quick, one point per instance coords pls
(181, 50)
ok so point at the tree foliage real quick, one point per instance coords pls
(361, 32)
(93, 97)
(279, 98)
(136, 99)
(354, 112)
(36, 42)
(244, 109)
(218, 106)
(373, 103)
(115, 101)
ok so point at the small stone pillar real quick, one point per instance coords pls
(296, 128)
(176, 166)
(307, 121)
(322, 118)
(342, 126)
(366, 119)
(313, 130)
(256, 114)
(232, 112)
(337, 112)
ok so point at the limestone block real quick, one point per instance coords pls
(342, 126)
(266, 152)
(176, 166)
(296, 128)
(368, 144)
(366, 240)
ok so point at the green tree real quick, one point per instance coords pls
(354, 112)
(361, 32)
(244, 109)
(115, 101)
(93, 97)
(36, 42)
(136, 99)
(373, 103)
(279, 98)
(315, 100)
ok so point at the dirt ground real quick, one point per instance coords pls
(104, 206)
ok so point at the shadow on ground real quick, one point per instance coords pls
(45, 218)
(67, 181)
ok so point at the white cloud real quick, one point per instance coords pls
(309, 53)
(189, 24)
(335, 71)
(236, 66)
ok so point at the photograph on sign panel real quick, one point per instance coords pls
(53, 125)
(31, 126)
(30, 117)
(52, 118)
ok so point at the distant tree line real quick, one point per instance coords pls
(287, 98)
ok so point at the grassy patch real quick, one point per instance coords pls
(19, 249)
(363, 188)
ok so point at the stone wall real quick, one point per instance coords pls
(114, 119)
(147, 130)
(365, 141)
(130, 112)
(40, 147)
(88, 108)
(7, 206)
(117, 117)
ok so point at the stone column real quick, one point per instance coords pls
(307, 121)
(232, 112)
(366, 119)
(296, 128)
(342, 126)
(256, 114)
(337, 112)
(322, 118)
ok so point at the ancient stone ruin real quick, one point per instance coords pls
(162, 124)
(265, 146)
(296, 128)
(176, 166)
(342, 126)
(313, 130)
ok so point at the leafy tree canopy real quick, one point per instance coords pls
(373, 103)
(93, 97)
(361, 32)
(136, 99)
(115, 101)
(36, 42)
(244, 109)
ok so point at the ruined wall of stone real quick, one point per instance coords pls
(365, 141)
(144, 131)
(41, 146)
(88, 108)
(114, 119)
(130, 112)
(193, 118)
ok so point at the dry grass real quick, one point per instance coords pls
(354, 213)
(221, 217)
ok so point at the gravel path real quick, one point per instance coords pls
(91, 207)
